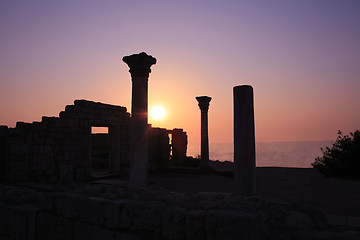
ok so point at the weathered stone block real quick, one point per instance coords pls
(82, 174)
(102, 233)
(127, 236)
(17, 224)
(221, 224)
(83, 231)
(131, 212)
(71, 122)
(298, 220)
(151, 218)
(49, 121)
(99, 212)
(19, 149)
(4, 130)
(4, 217)
(38, 140)
(69, 205)
(23, 126)
(64, 229)
(195, 225)
(173, 223)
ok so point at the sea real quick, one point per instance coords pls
(269, 154)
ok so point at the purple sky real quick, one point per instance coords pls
(301, 57)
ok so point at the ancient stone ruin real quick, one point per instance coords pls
(46, 170)
(60, 149)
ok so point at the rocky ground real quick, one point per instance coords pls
(289, 204)
(329, 195)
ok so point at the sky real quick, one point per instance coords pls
(301, 57)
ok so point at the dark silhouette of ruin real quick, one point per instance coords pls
(64, 153)
(62, 149)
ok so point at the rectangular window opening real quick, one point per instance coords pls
(95, 130)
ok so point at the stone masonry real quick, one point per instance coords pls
(57, 149)
(117, 212)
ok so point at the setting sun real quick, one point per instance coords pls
(157, 113)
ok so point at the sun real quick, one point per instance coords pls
(157, 113)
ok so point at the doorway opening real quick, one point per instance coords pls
(100, 150)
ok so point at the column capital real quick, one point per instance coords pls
(203, 102)
(139, 64)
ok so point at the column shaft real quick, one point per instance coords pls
(204, 139)
(244, 141)
(139, 136)
(139, 65)
(204, 107)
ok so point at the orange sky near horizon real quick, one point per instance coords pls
(302, 59)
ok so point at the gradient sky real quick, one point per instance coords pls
(301, 57)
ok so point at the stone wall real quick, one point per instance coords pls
(178, 146)
(114, 212)
(58, 148)
(159, 148)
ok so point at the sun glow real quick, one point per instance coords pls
(157, 113)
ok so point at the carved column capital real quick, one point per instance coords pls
(139, 64)
(203, 102)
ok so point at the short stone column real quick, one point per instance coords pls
(244, 141)
(204, 107)
(139, 65)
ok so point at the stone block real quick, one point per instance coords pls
(150, 220)
(64, 115)
(173, 223)
(4, 130)
(99, 211)
(298, 220)
(23, 126)
(19, 166)
(4, 220)
(19, 149)
(49, 141)
(69, 205)
(38, 140)
(102, 233)
(17, 224)
(130, 213)
(82, 174)
(195, 225)
(127, 236)
(71, 123)
(64, 229)
(83, 231)
(49, 121)
(59, 123)
(221, 224)
(354, 222)
(336, 220)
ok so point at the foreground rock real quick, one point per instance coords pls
(118, 212)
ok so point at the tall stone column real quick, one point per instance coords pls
(204, 107)
(139, 65)
(244, 141)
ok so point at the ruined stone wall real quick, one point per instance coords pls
(179, 146)
(58, 148)
(114, 212)
(159, 148)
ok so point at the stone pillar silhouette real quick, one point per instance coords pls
(139, 65)
(204, 107)
(244, 141)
